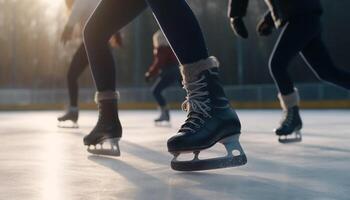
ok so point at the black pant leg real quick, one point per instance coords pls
(317, 57)
(78, 64)
(294, 37)
(109, 17)
(181, 28)
(167, 78)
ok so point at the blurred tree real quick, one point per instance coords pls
(32, 57)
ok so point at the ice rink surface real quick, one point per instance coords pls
(40, 161)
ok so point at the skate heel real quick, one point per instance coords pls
(165, 124)
(295, 137)
(67, 124)
(101, 149)
(232, 145)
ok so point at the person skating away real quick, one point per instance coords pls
(165, 67)
(301, 34)
(80, 10)
(210, 119)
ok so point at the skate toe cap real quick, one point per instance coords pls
(175, 142)
(86, 140)
(283, 131)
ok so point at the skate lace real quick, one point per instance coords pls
(196, 105)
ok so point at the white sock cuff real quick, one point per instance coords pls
(106, 95)
(290, 100)
(190, 71)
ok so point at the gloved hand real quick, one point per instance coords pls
(264, 28)
(148, 77)
(238, 27)
(67, 34)
(116, 41)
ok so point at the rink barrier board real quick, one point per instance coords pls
(338, 104)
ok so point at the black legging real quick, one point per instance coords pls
(174, 16)
(303, 36)
(77, 66)
(167, 77)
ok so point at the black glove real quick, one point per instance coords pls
(238, 27)
(264, 28)
(266, 25)
(67, 34)
(148, 77)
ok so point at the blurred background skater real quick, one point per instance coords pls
(210, 118)
(165, 67)
(301, 34)
(80, 10)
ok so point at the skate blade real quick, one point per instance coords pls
(163, 124)
(291, 139)
(100, 149)
(231, 144)
(67, 124)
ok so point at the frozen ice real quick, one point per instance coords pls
(38, 160)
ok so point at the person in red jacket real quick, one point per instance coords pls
(165, 67)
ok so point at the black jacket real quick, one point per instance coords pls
(281, 11)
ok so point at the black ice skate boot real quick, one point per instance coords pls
(164, 116)
(108, 128)
(210, 119)
(69, 119)
(291, 121)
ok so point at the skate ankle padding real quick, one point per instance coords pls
(290, 100)
(191, 71)
(106, 95)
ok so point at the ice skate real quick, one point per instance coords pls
(291, 124)
(69, 119)
(210, 120)
(104, 138)
(164, 118)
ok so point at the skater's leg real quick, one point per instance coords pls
(293, 38)
(109, 17)
(210, 118)
(317, 57)
(78, 65)
(181, 28)
(157, 90)
(169, 76)
(165, 80)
